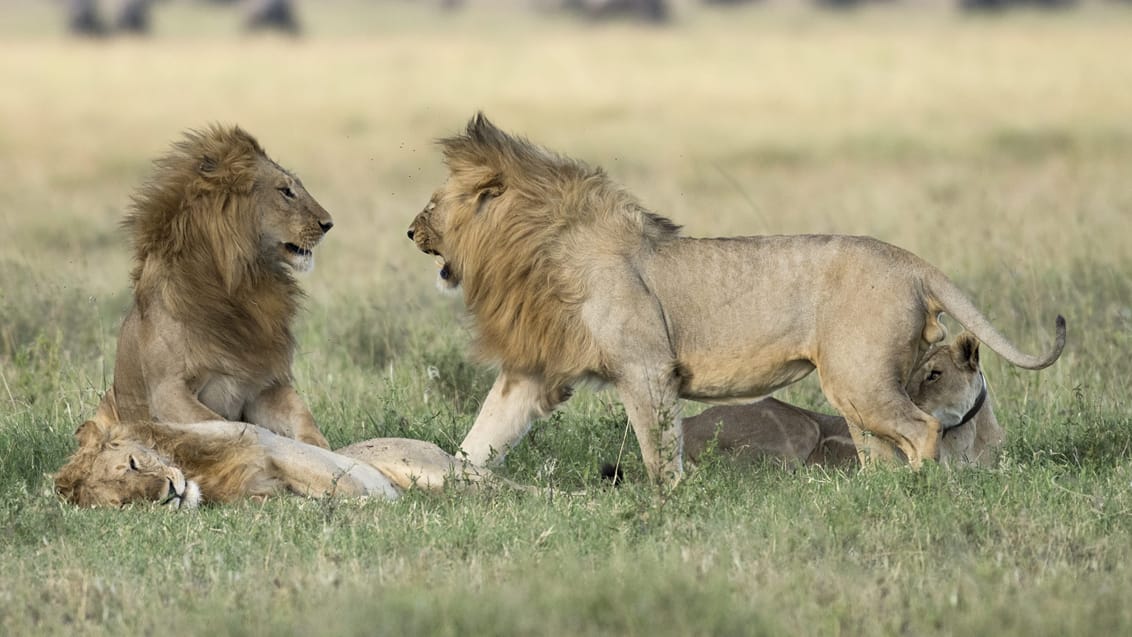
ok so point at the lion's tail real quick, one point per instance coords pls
(954, 302)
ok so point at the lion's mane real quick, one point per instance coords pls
(196, 248)
(520, 264)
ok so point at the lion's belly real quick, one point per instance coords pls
(717, 380)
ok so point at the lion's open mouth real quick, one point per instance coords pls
(296, 250)
(446, 278)
(299, 258)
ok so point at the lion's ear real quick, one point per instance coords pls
(966, 350)
(488, 191)
(480, 127)
(90, 433)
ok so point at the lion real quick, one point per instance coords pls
(568, 278)
(217, 233)
(949, 385)
(185, 465)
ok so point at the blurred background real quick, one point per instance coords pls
(992, 137)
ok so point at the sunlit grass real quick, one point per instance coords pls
(998, 149)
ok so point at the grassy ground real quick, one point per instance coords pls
(996, 148)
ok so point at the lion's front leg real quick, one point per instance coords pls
(651, 401)
(315, 472)
(514, 402)
(280, 409)
(872, 449)
(171, 400)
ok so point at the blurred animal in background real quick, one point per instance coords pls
(1002, 5)
(655, 11)
(133, 16)
(948, 385)
(84, 17)
(276, 15)
(218, 232)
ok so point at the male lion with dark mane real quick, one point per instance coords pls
(569, 278)
(217, 232)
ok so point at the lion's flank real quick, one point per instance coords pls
(521, 221)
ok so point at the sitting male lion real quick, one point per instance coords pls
(217, 232)
(568, 278)
(949, 385)
(220, 461)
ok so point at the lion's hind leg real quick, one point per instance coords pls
(280, 410)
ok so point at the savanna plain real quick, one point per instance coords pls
(996, 147)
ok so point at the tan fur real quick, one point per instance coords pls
(568, 277)
(216, 233)
(110, 469)
(228, 461)
(946, 385)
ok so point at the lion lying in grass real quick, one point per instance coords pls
(949, 385)
(219, 461)
(217, 232)
(569, 278)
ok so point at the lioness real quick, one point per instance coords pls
(217, 232)
(568, 278)
(949, 385)
(183, 465)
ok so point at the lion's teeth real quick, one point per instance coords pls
(440, 262)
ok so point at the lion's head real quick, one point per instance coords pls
(177, 465)
(113, 468)
(949, 384)
(951, 387)
(217, 207)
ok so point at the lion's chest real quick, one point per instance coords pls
(228, 396)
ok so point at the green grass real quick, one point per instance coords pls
(998, 149)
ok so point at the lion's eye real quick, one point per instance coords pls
(133, 464)
(287, 192)
(934, 375)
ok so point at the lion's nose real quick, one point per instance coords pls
(411, 233)
(326, 226)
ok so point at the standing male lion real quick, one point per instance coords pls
(569, 278)
(217, 232)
